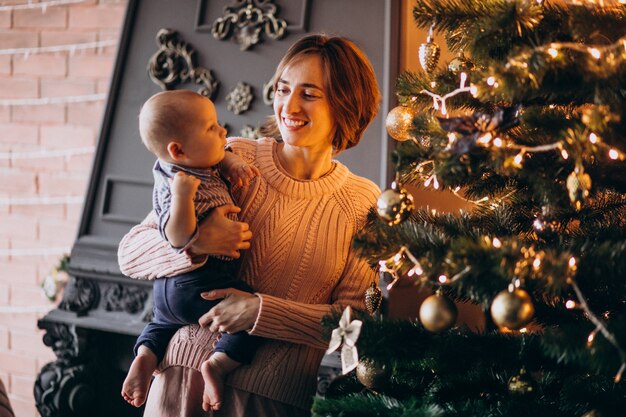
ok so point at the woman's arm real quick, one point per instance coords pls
(144, 254)
(300, 322)
(276, 318)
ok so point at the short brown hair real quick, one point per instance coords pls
(163, 117)
(350, 84)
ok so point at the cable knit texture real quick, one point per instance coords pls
(301, 264)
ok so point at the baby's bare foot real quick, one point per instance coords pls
(137, 382)
(213, 384)
(214, 371)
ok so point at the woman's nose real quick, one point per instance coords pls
(291, 104)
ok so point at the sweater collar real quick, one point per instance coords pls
(279, 179)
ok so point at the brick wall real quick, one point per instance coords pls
(49, 127)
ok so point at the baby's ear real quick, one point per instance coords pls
(175, 150)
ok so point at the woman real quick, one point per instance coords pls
(303, 210)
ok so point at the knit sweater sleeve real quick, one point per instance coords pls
(299, 322)
(144, 254)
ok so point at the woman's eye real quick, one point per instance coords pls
(282, 90)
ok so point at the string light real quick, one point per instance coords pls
(613, 154)
(600, 327)
(53, 100)
(593, 138)
(43, 5)
(439, 102)
(596, 52)
(58, 48)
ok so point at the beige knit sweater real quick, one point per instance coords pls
(301, 264)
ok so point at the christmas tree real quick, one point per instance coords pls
(528, 123)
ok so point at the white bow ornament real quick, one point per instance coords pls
(347, 334)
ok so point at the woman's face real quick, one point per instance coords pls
(301, 107)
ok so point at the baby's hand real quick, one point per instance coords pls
(240, 174)
(184, 185)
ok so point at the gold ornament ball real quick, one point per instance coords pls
(394, 205)
(372, 375)
(512, 310)
(521, 384)
(437, 313)
(399, 122)
(459, 64)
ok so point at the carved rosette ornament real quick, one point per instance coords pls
(268, 93)
(239, 99)
(175, 63)
(245, 19)
(118, 297)
(79, 296)
(250, 132)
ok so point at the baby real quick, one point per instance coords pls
(181, 129)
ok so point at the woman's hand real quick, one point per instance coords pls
(236, 312)
(219, 235)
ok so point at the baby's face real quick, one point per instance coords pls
(205, 138)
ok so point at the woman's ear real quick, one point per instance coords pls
(175, 150)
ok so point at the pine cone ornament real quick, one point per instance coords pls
(373, 298)
(429, 55)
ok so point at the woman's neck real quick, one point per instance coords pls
(305, 163)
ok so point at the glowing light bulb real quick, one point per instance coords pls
(496, 243)
(443, 279)
(537, 263)
(491, 81)
(463, 79)
(474, 91)
(518, 159)
(553, 52)
(613, 154)
(435, 183)
(595, 52)
(570, 304)
(497, 142)
(590, 338)
(593, 138)
(572, 262)
(564, 154)
(485, 139)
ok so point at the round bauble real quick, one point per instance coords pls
(372, 375)
(545, 225)
(521, 384)
(399, 122)
(394, 205)
(437, 313)
(512, 310)
(460, 64)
